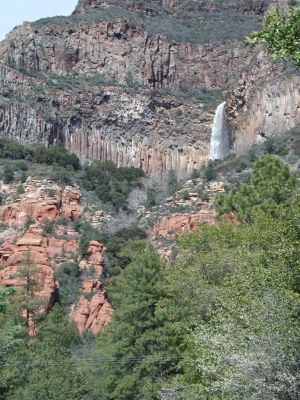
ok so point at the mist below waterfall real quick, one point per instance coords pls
(219, 144)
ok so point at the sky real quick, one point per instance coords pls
(14, 12)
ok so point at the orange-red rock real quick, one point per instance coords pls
(92, 315)
(95, 313)
(42, 201)
(46, 201)
(169, 227)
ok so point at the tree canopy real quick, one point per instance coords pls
(280, 35)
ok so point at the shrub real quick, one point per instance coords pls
(151, 200)
(20, 189)
(30, 221)
(23, 177)
(13, 150)
(69, 278)
(21, 165)
(210, 171)
(185, 195)
(48, 227)
(56, 155)
(195, 174)
(8, 175)
(61, 175)
(88, 233)
(111, 184)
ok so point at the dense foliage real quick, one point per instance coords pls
(111, 185)
(281, 35)
(220, 323)
(269, 188)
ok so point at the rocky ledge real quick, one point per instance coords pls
(23, 239)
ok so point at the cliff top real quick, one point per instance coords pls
(176, 6)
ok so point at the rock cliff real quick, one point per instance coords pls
(26, 236)
(275, 103)
(138, 82)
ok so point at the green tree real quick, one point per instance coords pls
(236, 316)
(8, 175)
(32, 305)
(69, 277)
(51, 373)
(280, 35)
(134, 350)
(12, 343)
(118, 259)
(271, 187)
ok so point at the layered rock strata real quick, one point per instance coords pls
(86, 81)
(117, 47)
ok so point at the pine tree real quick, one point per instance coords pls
(134, 349)
(32, 305)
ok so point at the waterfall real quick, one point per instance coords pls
(219, 144)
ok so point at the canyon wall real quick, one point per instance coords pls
(266, 102)
(130, 127)
(138, 82)
(117, 50)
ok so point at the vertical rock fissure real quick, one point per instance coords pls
(219, 144)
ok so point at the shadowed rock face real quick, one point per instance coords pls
(86, 81)
(264, 103)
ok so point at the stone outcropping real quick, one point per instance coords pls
(45, 252)
(42, 202)
(275, 103)
(180, 213)
(94, 313)
(86, 81)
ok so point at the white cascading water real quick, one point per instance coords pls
(219, 144)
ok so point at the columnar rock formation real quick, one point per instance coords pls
(261, 106)
(151, 131)
(138, 82)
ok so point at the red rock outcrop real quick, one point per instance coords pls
(170, 227)
(30, 248)
(44, 252)
(42, 201)
(94, 312)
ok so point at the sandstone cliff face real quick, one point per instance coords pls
(261, 106)
(46, 202)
